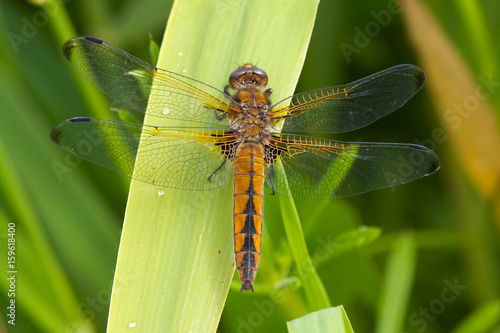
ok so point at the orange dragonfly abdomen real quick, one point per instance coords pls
(248, 201)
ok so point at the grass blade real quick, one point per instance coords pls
(332, 320)
(315, 292)
(399, 276)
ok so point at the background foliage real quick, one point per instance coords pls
(435, 266)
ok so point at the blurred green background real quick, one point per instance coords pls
(436, 263)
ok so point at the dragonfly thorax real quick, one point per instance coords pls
(252, 128)
(253, 122)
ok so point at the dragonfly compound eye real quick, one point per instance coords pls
(248, 74)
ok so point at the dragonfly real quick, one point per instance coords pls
(237, 134)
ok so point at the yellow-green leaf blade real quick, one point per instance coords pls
(331, 320)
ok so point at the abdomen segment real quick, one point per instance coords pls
(248, 200)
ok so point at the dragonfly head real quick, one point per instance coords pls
(248, 75)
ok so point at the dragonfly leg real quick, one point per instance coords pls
(218, 168)
(220, 116)
(223, 115)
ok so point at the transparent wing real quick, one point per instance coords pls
(129, 81)
(351, 106)
(311, 168)
(182, 158)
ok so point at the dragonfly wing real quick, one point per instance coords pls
(311, 168)
(129, 82)
(181, 158)
(351, 106)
